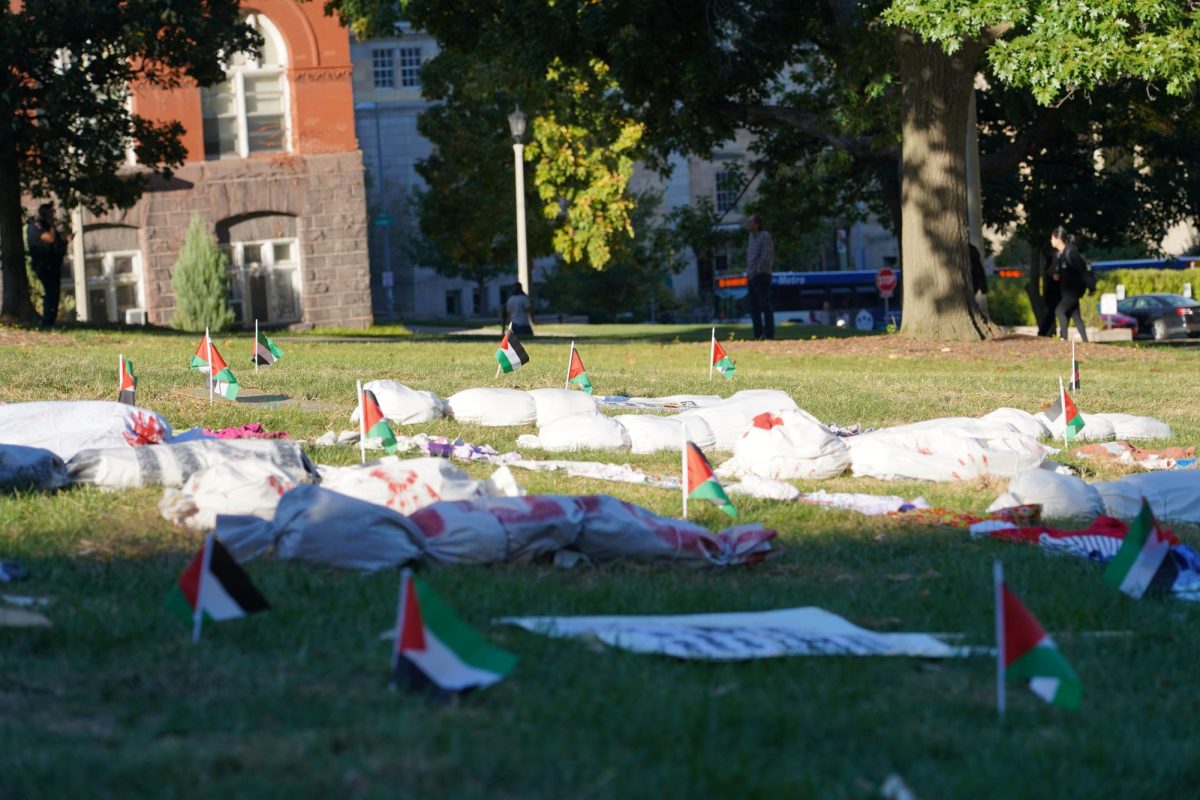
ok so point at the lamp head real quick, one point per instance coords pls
(516, 125)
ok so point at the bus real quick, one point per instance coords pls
(844, 297)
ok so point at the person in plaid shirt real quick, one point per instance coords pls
(760, 261)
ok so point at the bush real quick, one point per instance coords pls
(201, 283)
(1008, 304)
(37, 295)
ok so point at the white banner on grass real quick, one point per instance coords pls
(808, 631)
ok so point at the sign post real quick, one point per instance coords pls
(885, 282)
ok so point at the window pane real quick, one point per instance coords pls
(283, 295)
(217, 101)
(127, 297)
(123, 265)
(220, 137)
(265, 134)
(235, 294)
(264, 95)
(410, 66)
(68, 271)
(383, 63)
(282, 252)
(94, 267)
(98, 304)
(251, 254)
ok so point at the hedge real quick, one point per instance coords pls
(1008, 303)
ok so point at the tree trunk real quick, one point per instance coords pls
(936, 90)
(15, 305)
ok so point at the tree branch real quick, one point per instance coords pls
(1010, 156)
(806, 123)
(993, 33)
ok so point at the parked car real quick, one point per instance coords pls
(1163, 315)
(1111, 321)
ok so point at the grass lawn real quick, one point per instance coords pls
(114, 701)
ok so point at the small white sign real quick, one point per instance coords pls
(865, 321)
(1120, 291)
(1108, 303)
(1187, 290)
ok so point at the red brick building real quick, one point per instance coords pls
(273, 167)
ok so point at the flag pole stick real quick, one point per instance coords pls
(362, 423)
(254, 348)
(198, 613)
(712, 351)
(570, 358)
(998, 590)
(1074, 374)
(509, 328)
(405, 577)
(211, 372)
(120, 373)
(1062, 401)
(683, 458)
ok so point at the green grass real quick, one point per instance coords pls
(114, 701)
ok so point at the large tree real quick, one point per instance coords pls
(65, 122)
(884, 83)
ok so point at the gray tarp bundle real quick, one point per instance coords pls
(173, 464)
(30, 469)
(315, 524)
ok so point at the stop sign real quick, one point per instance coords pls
(885, 281)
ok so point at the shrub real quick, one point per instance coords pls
(37, 295)
(200, 283)
(1008, 304)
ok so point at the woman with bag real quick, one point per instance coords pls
(1071, 273)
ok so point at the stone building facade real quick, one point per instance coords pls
(273, 169)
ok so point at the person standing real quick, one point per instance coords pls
(1050, 295)
(519, 312)
(760, 262)
(978, 280)
(1069, 271)
(46, 250)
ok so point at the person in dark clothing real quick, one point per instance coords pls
(1051, 294)
(46, 250)
(760, 264)
(1069, 273)
(978, 279)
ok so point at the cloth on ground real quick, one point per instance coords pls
(408, 484)
(785, 445)
(173, 464)
(1022, 515)
(229, 487)
(649, 433)
(1099, 542)
(741, 636)
(1173, 496)
(870, 504)
(1060, 496)
(763, 489)
(1130, 455)
(676, 402)
(1129, 426)
(402, 405)
(555, 404)
(944, 450)
(31, 469)
(315, 524)
(492, 407)
(251, 430)
(582, 432)
(66, 427)
(1022, 421)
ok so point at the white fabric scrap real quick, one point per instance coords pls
(872, 505)
(807, 631)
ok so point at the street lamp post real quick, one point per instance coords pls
(516, 125)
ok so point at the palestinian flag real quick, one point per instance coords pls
(511, 355)
(436, 650)
(215, 581)
(1071, 419)
(1141, 556)
(577, 374)
(126, 382)
(1028, 653)
(1074, 384)
(224, 383)
(702, 484)
(374, 424)
(266, 352)
(721, 360)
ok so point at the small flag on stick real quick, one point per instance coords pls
(1065, 410)
(126, 381)
(576, 373)
(372, 424)
(214, 588)
(209, 361)
(699, 481)
(719, 359)
(1141, 557)
(1073, 385)
(435, 650)
(511, 356)
(266, 352)
(1024, 650)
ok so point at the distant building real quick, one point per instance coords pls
(272, 166)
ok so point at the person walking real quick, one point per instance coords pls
(978, 279)
(1051, 293)
(1070, 272)
(46, 250)
(760, 262)
(519, 312)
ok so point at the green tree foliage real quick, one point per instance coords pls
(65, 123)
(873, 94)
(200, 282)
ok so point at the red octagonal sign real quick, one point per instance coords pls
(885, 281)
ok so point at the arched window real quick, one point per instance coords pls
(248, 112)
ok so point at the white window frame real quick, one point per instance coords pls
(239, 278)
(407, 64)
(725, 199)
(250, 67)
(109, 281)
(383, 74)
